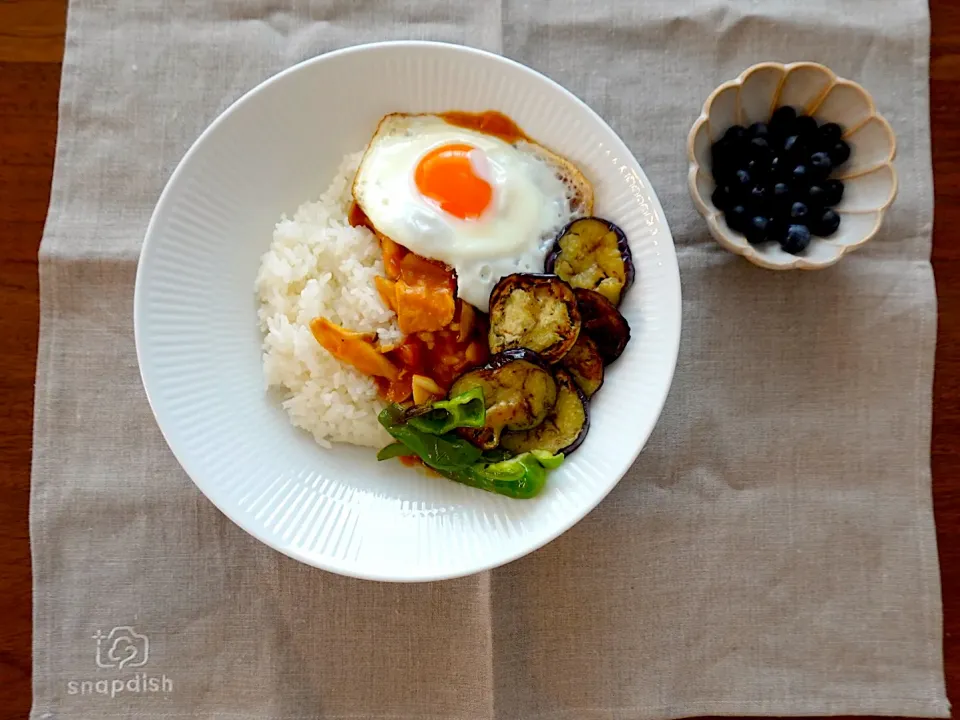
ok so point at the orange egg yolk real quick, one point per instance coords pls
(446, 176)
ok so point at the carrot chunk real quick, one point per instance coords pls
(425, 299)
(387, 289)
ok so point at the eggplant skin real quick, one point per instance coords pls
(519, 392)
(564, 429)
(585, 364)
(495, 362)
(538, 312)
(593, 254)
(603, 324)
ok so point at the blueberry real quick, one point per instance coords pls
(840, 153)
(721, 169)
(758, 196)
(737, 194)
(777, 229)
(799, 212)
(759, 147)
(793, 146)
(775, 164)
(758, 169)
(782, 118)
(742, 180)
(722, 160)
(721, 197)
(832, 192)
(756, 230)
(784, 113)
(816, 194)
(830, 133)
(805, 126)
(737, 218)
(758, 130)
(782, 197)
(796, 239)
(723, 142)
(820, 164)
(800, 174)
(734, 134)
(826, 224)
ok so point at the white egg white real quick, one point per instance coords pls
(529, 206)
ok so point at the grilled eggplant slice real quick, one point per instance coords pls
(603, 324)
(584, 363)
(538, 312)
(564, 428)
(593, 254)
(519, 391)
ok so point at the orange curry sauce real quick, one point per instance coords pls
(441, 354)
(489, 122)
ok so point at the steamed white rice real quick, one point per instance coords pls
(318, 265)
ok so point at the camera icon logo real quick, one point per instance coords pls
(123, 647)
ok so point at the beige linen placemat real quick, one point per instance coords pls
(772, 551)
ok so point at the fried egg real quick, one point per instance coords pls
(483, 206)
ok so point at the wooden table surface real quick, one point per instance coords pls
(31, 50)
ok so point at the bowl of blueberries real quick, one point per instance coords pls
(791, 166)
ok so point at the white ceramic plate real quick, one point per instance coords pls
(198, 343)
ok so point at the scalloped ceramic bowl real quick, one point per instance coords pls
(869, 177)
